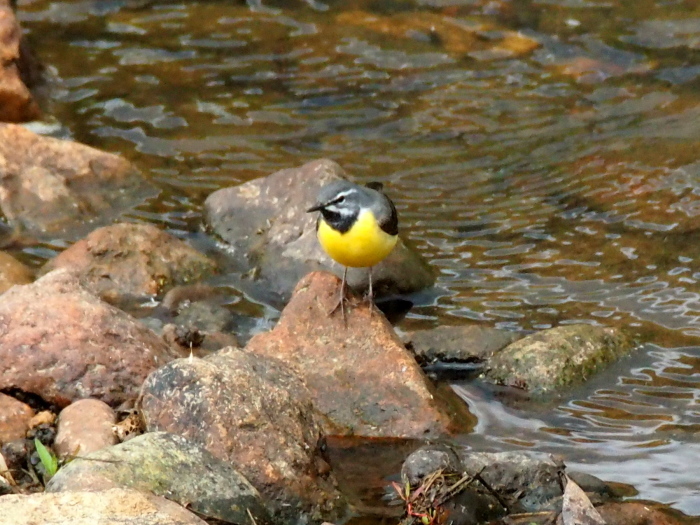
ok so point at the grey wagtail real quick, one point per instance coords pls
(357, 227)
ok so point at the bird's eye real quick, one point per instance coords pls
(340, 199)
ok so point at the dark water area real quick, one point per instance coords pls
(543, 156)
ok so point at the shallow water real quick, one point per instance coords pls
(542, 155)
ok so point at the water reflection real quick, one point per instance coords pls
(543, 156)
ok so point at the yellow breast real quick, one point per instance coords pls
(365, 244)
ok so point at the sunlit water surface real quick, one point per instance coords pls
(543, 157)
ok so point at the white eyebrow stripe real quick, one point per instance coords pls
(344, 193)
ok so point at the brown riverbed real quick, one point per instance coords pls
(542, 155)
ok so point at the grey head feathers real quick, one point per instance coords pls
(340, 203)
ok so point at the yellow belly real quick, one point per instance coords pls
(365, 244)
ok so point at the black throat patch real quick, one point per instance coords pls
(341, 223)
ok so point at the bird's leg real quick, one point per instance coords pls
(341, 300)
(370, 293)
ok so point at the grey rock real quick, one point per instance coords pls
(171, 466)
(266, 224)
(459, 343)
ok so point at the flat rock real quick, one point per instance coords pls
(171, 466)
(83, 427)
(14, 418)
(548, 361)
(642, 513)
(16, 101)
(58, 187)
(126, 261)
(107, 507)
(265, 221)
(255, 414)
(62, 343)
(360, 375)
(13, 272)
(459, 343)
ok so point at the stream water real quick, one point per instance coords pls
(543, 156)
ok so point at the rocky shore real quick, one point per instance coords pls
(108, 416)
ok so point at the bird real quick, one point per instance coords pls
(357, 227)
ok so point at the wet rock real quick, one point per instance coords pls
(108, 507)
(360, 375)
(171, 466)
(557, 358)
(16, 101)
(13, 272)
(14, 418)
(126, 261)
(61, 343)
(254, 414)
(459, 343)
(641, 513)
(266, 219)
(50, 186)
(83, 427)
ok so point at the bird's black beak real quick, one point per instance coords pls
(315, 207)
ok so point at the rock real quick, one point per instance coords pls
(83, 427)
(61, 343)
(642, 513)
(108, 507)
(50, 186)
(254, 414)
(126, 261)
(557, 358)
(13, 272)
(266, 219)
(170, 466)
(16, 102)
(14, 419)
(459, 343)
(360, 375)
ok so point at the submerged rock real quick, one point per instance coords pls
(16, 102)
(560, 357)
(106, 507)
(83, 427)
(254, 414)
(58, 187)
(126, 261)
(360, 375)
(62, 343)
(265, 221)
(13, 272)
(171, 466)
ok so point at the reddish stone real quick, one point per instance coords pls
(16, 102)
(642, 513)
(83, 427)
(12, 272)
(60, 342)
(14, 419)
(360, 375)
(131, 260)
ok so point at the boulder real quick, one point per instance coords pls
(547, 361)
(256, 415)
(126, 261)
(265, 221)
(62, 343)
(107, 507)
(16, 101)
(13, 272)
(170, 466)
(83, 427)
(360, 375)
(14, 419)
(55, 187)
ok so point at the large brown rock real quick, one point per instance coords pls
(265, 221)
(52, 186)
(126, 260)
(14, 419)
(256, 415)
(360, 375)
(16, 102)
(13, 272)
(60, 342)
(107, 507)
(83, 427)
